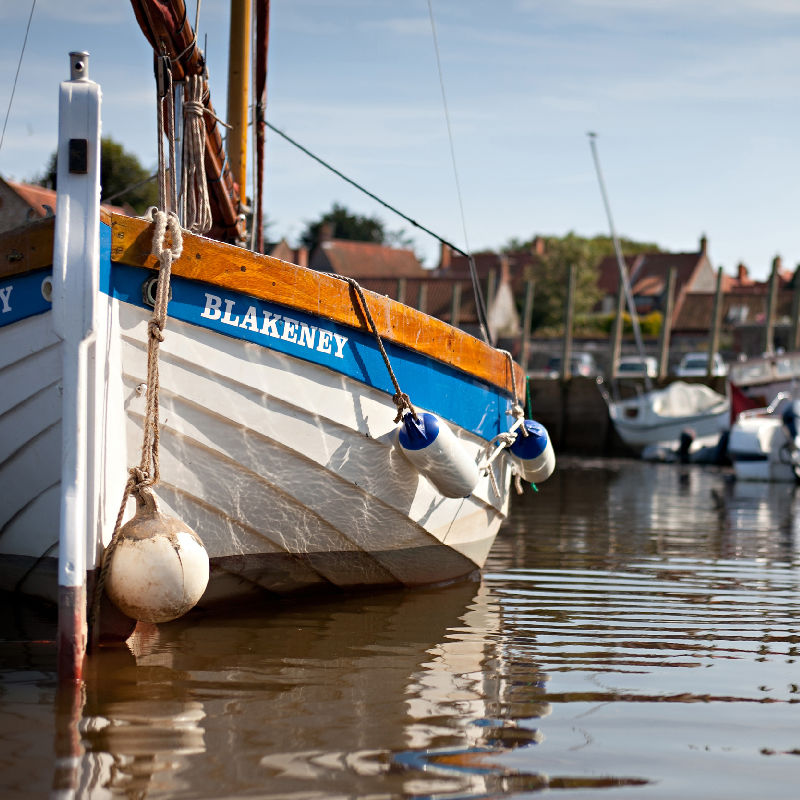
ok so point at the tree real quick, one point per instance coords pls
(551, 276)
(354, 227)
(344, 225)
(553, 269)
(122, 177)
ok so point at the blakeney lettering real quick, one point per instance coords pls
(275, 326)
(5, 293)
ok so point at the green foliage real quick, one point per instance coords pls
(650, 324)
(122, 177)
(345, 225)
(551, 275)
(354, 227)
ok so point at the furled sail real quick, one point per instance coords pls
(165, 24)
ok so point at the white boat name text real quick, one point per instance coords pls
(5, 292)
(289, 330)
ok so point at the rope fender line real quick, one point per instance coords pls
(400, 398)
(146, 475)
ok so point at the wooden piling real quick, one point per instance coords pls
(666, 326)
(527, 316)
(569, 312)
(455, 305)
(772, 298)
(716, 321)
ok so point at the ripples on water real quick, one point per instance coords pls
(636, 631)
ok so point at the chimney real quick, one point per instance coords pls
(505, 268)
(445, 254)
(703, 245)
(741, 274)
(325, 232)
(538, 246)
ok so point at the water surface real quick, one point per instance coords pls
(635, 635)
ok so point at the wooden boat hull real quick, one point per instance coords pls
(277, 433)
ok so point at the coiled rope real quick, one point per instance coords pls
(196, 204)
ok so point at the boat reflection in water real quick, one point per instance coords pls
(391, 695)
(398, 693)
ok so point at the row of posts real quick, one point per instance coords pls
(666, 330)
(615, 344)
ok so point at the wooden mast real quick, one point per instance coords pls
(238, 92)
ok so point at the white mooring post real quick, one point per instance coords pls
(76, 265)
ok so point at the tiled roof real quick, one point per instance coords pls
(366, 260)
(519, 263)
(608, 272)
(438, 296)
(648, 272)
(43, 201)
(738, 306)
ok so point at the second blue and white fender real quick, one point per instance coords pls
(533, 454)
(430, 445)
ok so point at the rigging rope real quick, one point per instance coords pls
(480, 306)
(400, 399)
(366, 191)
(147, 474)
(16, 77)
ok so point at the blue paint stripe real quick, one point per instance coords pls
(454, 395)
(21, 297)
(460, 398)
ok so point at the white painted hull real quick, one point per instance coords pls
(668, 432)
(641, 423)
(285, 468)
(758, 448)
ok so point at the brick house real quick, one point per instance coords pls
(648, 274)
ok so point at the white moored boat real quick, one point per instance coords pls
(266, 419)
(659, 417)
(763, 444)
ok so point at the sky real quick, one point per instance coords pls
(695, 104)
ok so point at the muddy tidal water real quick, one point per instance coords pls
(635, 634)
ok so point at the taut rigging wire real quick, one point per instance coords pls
(480, 306)
(16, 77)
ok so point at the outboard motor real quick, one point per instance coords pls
(791, 419)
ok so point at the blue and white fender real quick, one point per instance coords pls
(430, 445)
(533, 454)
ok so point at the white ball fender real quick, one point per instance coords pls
(430, 445)
(159, 567)
(533, 454)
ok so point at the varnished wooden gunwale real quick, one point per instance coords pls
(286, 284)
(27, 248)
(277, 281)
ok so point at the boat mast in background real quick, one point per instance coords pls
(623, 272)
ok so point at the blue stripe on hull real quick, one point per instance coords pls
(430, 384)
(21, 297)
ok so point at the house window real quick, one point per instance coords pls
(737, 314)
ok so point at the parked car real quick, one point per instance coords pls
(695, 365)
(636, 366)
(579, 364)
